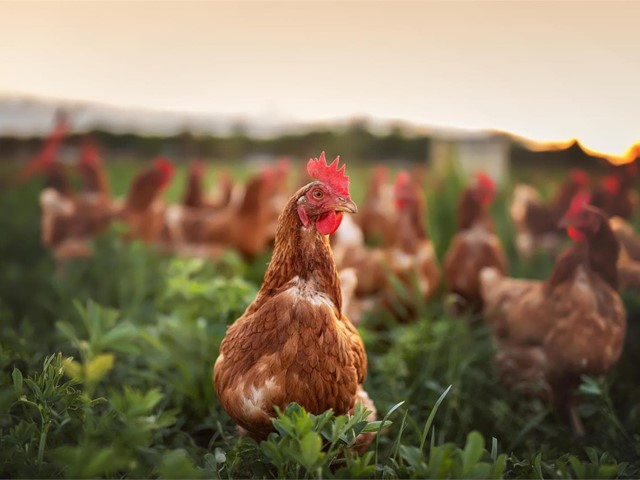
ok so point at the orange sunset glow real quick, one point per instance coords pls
(548, 71)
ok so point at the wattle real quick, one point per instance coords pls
(575, 234)
(328, 222)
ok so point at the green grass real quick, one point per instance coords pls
(106, 372)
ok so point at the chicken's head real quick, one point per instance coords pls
(166, 170)
(582, 220)
(405, 192)
(611, 184)
(322, 203)
(579, 177)
(89, 155)
(484, 189)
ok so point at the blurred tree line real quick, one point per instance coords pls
(355, 141)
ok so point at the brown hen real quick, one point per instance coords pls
(475, 245)
(143, 209)
(570, 325)
(294, 343)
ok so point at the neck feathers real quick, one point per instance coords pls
(599, 252)
(303, 253)
(472, 212)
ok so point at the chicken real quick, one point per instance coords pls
(94, 175)
(69, 218)
(570, 325)
(411, 258)
(401, 274)
(193, 195)
(243, 225)
(280, 195)
(377, 216)
(615, 196)
(143, 209)
(44, 161)
(294, 343)
(536, 222)
(474, 246)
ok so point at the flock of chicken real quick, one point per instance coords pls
(297, 341)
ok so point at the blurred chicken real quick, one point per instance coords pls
(95, 180)
(194, 193)
(412, 258)
(243, 226)
(474, 246)
(44, 163)
(194, 196)
(281, 194)
(536, 222)
(616, 195)
(377, 215)
(294, 342)
(401, 274)
(70, 219)
(570, 325)
(143, 209)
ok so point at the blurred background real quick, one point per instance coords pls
(482, 82)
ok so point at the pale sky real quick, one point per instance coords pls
(544, 70)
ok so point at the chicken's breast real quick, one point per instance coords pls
(295, 347)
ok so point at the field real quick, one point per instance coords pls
(106, 372)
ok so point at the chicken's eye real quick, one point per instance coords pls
(318, 194)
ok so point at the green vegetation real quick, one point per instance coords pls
(105, 371)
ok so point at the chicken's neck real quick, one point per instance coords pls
(604, 250)
(471, 213)
(95, 180)
(599, 252)
(193, 196)
(301, 253)
(56, 178)
(411, 229)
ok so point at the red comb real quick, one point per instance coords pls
(329, 174)
(47, 155)
(611, 184)
(485, 181)
(402, 180)
(579, 176)
(165, 167)
(89, 154)
(578, 202)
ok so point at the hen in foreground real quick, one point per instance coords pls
(293, 343)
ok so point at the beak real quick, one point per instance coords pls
(347, 205)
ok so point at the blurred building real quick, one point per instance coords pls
(471, 152)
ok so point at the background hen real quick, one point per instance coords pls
(570, 325)
(474, 246)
